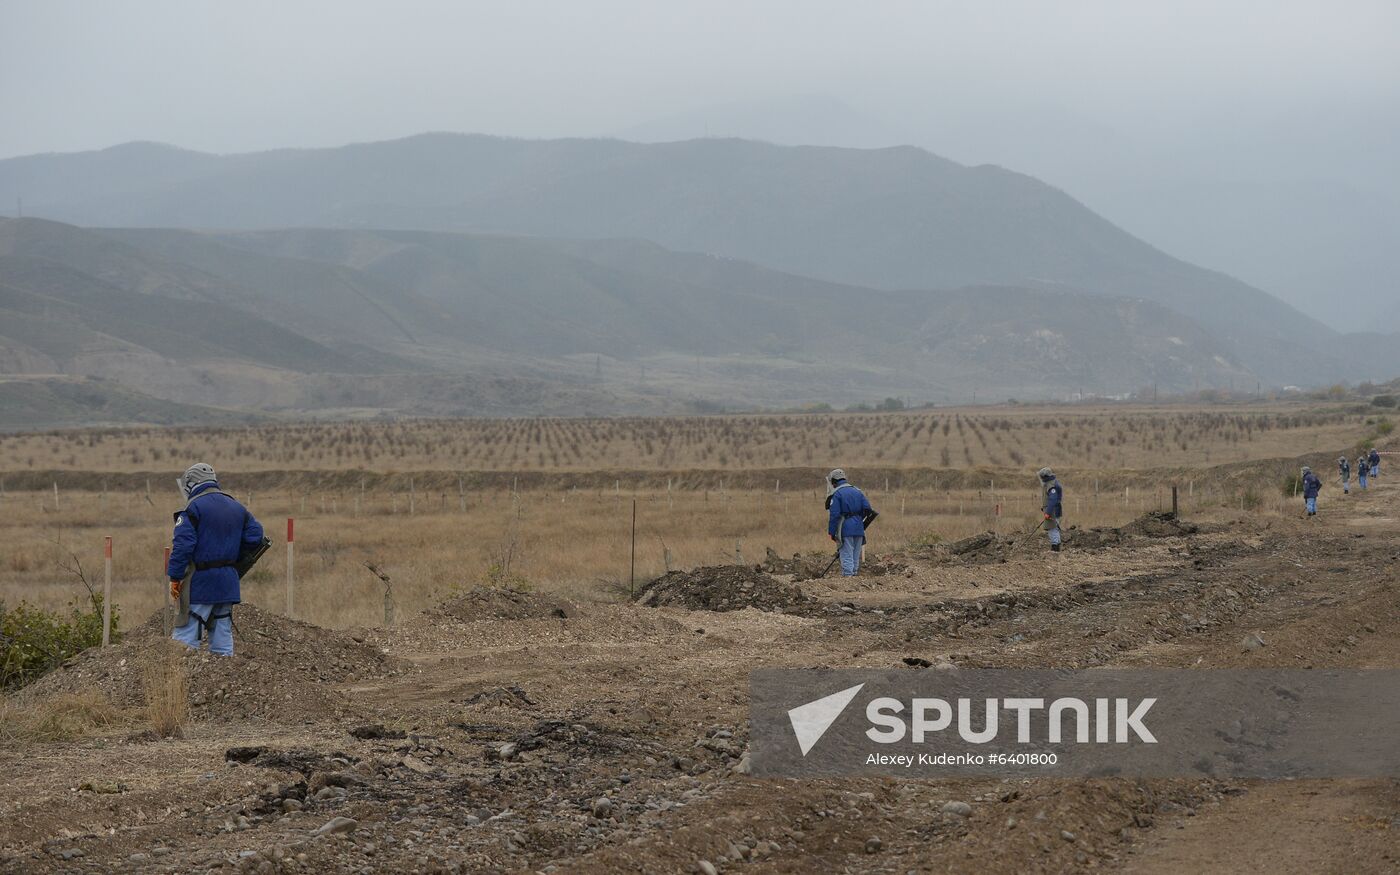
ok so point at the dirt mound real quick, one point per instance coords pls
(501, 603)
(281, 669)
(812, 566)
(979, 548)
(1156, 524)
(799, 566)
(1160, 524)
(722, 588)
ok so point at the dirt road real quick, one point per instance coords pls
(516, 733)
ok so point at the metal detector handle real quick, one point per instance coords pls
(833, 561)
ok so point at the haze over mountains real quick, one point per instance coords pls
(573, 276)
(1307, 215)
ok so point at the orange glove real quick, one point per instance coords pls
(174, 588)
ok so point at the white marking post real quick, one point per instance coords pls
(107, 591)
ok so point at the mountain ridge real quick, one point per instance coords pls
(491, 322)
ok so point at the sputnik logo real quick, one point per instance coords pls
(811, 721)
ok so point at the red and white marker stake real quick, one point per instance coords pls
(291, 578)
(107, 591)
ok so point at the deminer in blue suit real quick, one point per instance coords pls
(849, 512)
(211, 534)
(1344, 474)
(1053, 506)
(1312, 485)
(1375, 459)
(1363, 469)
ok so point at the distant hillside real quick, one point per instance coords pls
(355, 323)
(898, 218)
(56, 402)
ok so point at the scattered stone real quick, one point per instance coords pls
(873, 845)
(508, 751)
(414, 764)
(706, 868)
(602, 808)
(1067, 835)
(512, 696)
(376, 731)
(337, 825)
(959, 809)
(1252, 641)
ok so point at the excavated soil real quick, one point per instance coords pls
(502, 603)
(989, 547)
(617, 741)
(281, 669)
(814, 566)
(722, 588)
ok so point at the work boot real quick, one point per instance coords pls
(1055, 548)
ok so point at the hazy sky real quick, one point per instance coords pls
(249, 75)
(1121, 103)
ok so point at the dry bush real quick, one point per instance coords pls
(58, 718)
(167, 691)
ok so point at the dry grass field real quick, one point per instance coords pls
(506, 731)
(578, 541)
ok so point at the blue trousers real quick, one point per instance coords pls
(220, 631)
(1346, 485)
(1311, 504)
(1054, 530)
(851, 548)
(1361, 478)
(1376, 470)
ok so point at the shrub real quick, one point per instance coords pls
(34, 641)
(1251, 499)
(1383, 401)
(1292, 485)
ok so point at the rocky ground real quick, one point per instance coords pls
(511, 732)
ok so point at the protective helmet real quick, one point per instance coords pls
(1307, 470)
(836, 475)
(1046, 475)
(194, 475)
